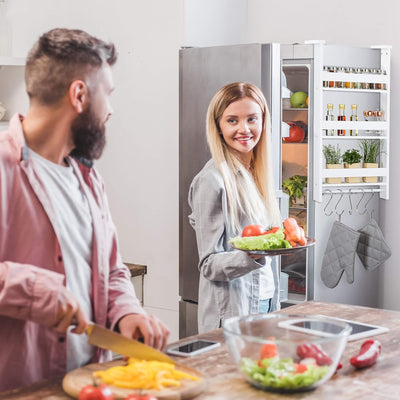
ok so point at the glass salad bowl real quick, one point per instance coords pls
(286, 353)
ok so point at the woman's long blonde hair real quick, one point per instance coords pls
(257, 202)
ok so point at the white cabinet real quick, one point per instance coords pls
(12, 87)
(370, 90)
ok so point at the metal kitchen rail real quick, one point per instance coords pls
(349, 192)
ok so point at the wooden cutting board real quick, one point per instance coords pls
(75, 380)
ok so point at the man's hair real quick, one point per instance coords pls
(61, 56)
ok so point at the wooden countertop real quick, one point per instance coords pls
(224, 381)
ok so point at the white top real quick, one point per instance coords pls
(266, 277)
(74, 223)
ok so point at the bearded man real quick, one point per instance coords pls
(59, 259)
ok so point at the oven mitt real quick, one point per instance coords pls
(339, 255)
(372, 247)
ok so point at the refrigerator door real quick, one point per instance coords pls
(297, 167)
(202, 72)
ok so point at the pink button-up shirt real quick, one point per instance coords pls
(32, 269)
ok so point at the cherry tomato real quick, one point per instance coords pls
(253, 230)
(139, 396)
(96, 392)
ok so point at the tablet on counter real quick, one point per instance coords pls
(323, 328)
(192, 347)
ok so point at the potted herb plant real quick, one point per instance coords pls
(351, 159)
(332, 158)
(370, 150)
(294, 187)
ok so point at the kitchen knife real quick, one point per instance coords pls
(109, 340)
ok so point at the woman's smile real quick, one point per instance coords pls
(241, 127)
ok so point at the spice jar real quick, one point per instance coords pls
(332, 83)
(373, 85)
(349, 84)
(365, 85)
(379, 85)
(325, 83)
(357, 85)
(341, 84)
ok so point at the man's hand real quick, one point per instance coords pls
(68, 310)
(134, 326)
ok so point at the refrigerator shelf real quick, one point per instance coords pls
(358, 137)
(350, 185)
(344, 77)
(353, 172)
(360, 125)
(295, 109)
(336, 89)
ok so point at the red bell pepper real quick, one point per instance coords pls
(369, 353)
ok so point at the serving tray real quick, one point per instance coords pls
(279, 252)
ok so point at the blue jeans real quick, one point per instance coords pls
(264, 306)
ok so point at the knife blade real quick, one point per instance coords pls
(109, 340)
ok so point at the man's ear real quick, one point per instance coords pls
(78, 95)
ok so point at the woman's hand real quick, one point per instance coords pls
(255, 257)
(135, 326)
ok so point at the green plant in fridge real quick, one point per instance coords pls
(351, 156)
(332, 155)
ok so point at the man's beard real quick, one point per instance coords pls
(89, 135)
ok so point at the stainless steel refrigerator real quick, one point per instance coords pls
(280, 70)
(202, 72)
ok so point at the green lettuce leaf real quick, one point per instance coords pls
(263, 242)
(281, 374)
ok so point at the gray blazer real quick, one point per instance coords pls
(229, 278)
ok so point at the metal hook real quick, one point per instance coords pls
(328, 202)
(351, 205)
(340, 198)
(366, 205)
(361, 198)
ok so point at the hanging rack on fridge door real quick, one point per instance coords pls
(349, 192)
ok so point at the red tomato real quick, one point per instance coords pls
(99, 392)
(253, 230)
(296, 134)
(139, 396)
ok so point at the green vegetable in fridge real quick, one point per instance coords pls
(263, 242)
(281, 373)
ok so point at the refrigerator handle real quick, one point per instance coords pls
(316, 104)
(276, 116)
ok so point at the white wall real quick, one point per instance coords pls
(357, 23)
(215, 22)
(140, 164)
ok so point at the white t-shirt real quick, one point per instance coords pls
(74, 223)
(266, 277)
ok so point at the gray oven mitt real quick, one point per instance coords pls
(372, 247)
(339, 255)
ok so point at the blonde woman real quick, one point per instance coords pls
(234, 189)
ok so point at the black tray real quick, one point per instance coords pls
(279, 252)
